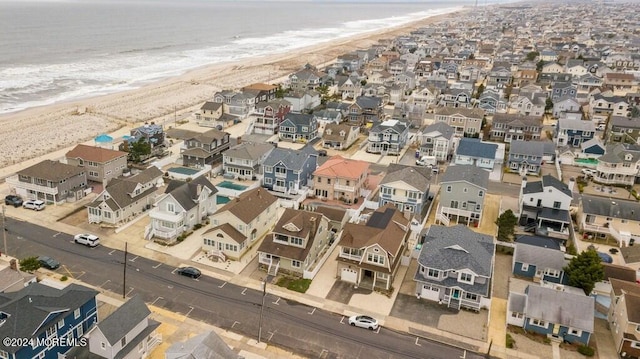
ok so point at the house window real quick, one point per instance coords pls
(471, 296)
(123, 342)
(296, 241)
(465, 277)
(268, 169)
(556, 204)
(295, 264)
(539, 323)
(61, 323)
(268, 180)
(517, 315)
(171, 207)
(103, 345)
(575, 332)
(552, 273)
(635, 345)
(524, 267)
(76, 313)
(480, 193)
(375, 258)
(433, 273)
(448, 188)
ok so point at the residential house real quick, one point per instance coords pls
(563, 89)
(126, 197)
(544, 206)
(150, 133)
(263, 92)
(212, 115)
(564, 312)
(183, 207)
(235, 103)
(101, 164)
(370, 254)
(548, 55)
(526, 157)
(525, 76)
(205, 345)
(455, 267)
(349, 62)
(436, 140)
(587, 83)
(240, 224)
(620, 81)
(623, 129)
(463, 120)
(620, 165)
(244, 161)
(269, 115)
(605, 218)
(456, 98)
(576, 68)
(50, 181)
(341, 178)
(302, 101)
(298, 127)
(539, 264)
(327, 116)
(288, 171)
(39, 312)
(570, 132)
(552, 68)
(308, 78)
(492, 101)
(624, 317)
(462, 192)
(337, 217)
(204, 149)
(128, 332)
(365, 110)
(471, 73)
(500, 75)
(339, 136)
(406, 187)
(529, 103)
(472, 151)
(388, 137)
(295, 244)
(565, 104)
(601, 106)
(348, 87)
(12, 279)
(508, 127)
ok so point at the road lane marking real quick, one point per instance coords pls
(222, 285)
(156, 267)
(244, 292)
(81, 274)
(342, 320)
(57, 234)
(324, 353)
(133, 259)
(108, 280)
(189, 312)
(129, 292)
(378, 330)
(276, 302)
(271, 336)
(174, 271)
(464, 355)
(313, 311)
(234, 323)
(418, 344)
(157, 299)
(111, 253)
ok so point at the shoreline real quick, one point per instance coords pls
(41, 130)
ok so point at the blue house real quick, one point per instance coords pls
(388, 137)
(287, 171)
(539, 263)
(471, 151)
(39, 312)
(298, 127)
(406, 187)
(572, 132)
(526, 157)
(561, 312)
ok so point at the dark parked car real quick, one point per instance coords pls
(322, 153)
(13, 200)
(48, 262)
(190, 272)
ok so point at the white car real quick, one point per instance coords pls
(34, 204)
(87, 239)
(363, 321)
(589, 172)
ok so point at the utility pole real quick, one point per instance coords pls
(4, 231)
(264, 294)
(124, 273)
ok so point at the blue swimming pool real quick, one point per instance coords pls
(231, 185)
(222, 199)
(183, 171)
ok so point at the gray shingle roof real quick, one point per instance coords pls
(417, 177)
(122, 320)
(560, 307)
(578, 125)
(443, 128)
(607, 207)
(186, 193)
(542, 258)
(51, 170)
(475, 148)
(204, 346)
(248, 150)
(469, 173)
(29, 307)
(300, 119)
(517, 302)
(369, 102)
(292, 159)
(531, 148)
(617, 153)
(539, 241)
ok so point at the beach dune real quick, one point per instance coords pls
(38, 131)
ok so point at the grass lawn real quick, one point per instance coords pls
(296, 284)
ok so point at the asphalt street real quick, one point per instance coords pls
(305, 330)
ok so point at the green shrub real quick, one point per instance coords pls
(29, 264)
(63, 278)
(546, 340)
(586, 350)
(510, 341)
(197, 226)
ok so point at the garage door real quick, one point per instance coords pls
(430, 293)
(349, 275)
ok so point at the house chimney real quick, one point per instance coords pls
(13, 264)
(198, 190)
(572, 183)
(314, 227)
(239, 140)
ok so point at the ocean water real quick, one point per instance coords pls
(52, 51)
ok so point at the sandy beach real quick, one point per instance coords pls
(42, 130)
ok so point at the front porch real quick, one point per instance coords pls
(444, 215)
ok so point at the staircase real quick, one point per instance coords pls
(273, 267)
(216, 254)
(443, 219)
(454, 303)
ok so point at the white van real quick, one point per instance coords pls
(427, 161)
(35, 204)
(86, 239)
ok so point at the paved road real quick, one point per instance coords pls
(303, 329)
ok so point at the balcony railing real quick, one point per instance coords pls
(280, 188)
(13, 181)
(165, 233)
(280, 174)
(339, 187)
(352, 257)
(156, 213)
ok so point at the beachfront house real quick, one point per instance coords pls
(101, 164)
(240, 224)
(235, 103)
(244, 161)
(341, 179)
(268, 116)
(370, 253)
(302, 101)
(212, 114)
(295, 244)
(288, 171)
(339, 136)
(261, 91)
(204, 149)
(406, 187)
(184, 206)
(544, 206)
(50, 181)
(462, 193)
(298, 127)
(150, 133)
(125, 198)
(388, 137)
(39, 312)
(455, 267)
